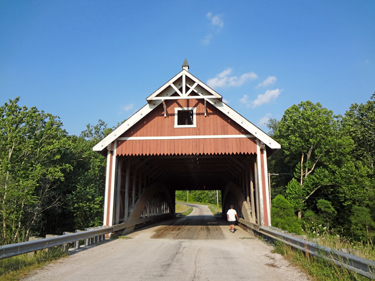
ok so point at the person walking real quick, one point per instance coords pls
(231, 217)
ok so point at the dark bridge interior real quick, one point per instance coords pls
(197, 172)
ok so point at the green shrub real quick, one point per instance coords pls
(363, 227)
(282, 215)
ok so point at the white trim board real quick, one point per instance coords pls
(177, 109)
(188, 137)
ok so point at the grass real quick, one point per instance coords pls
(360, 249)
(15, 268)
(114, 236)
(216, 211)
(324, 270)
(319, 269)
(186, 213)
(181, 208)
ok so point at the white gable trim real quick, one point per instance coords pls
(204, 86)
(126, 125)
(182, 74)
(166, 85)
(213, 97)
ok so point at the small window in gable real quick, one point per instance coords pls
(185, 117)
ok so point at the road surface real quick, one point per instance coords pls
(197, 247)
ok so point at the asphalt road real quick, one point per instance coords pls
(196, 247)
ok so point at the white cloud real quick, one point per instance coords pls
(235, 81)
(270, 80)
(207, 39)
(126, 108)
(267, 97)
(263, 121)
(216, 20)
(216, 24)
(226, 72)
(226, 101)
(245, 100)
(223, 80)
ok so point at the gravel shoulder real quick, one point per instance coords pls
(196, 247)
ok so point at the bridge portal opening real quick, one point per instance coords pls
(201, 196)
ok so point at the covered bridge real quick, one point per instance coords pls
(185, 138)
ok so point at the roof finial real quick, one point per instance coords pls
(185, 65)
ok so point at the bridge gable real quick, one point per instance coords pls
(184, 88)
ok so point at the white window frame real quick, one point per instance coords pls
(177, 109)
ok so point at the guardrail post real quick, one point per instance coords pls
(91, 239)
(101, 237)
(87, 240)
(50, 236)
(65, 247)
(33, 238)
(97, 237)
(76, 243)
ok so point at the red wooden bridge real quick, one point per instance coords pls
(185, 138)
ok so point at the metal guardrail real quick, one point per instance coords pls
(351, 262)
(90, 237)
(11, 250)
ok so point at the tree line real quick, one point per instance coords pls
(324, 175)
(203, 196)
(50, 181)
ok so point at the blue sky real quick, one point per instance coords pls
(90, 60)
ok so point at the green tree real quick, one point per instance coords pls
(86, 201)
(327, 211)
(314, 147)
(358, 176)
(273, 124)
(283, 216)
(359, 123)
(31, 144)
(363, 226)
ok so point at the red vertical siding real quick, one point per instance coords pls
(216, 123)
(155, 124)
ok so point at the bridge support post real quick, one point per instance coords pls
(247, 187)
(251, 174)
(126, 196)
(107, 185)
(118, 192)
(133, 185)
(262, 180)
(110, 184)
(266, 187)
(257, 192)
